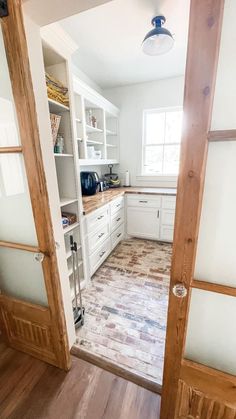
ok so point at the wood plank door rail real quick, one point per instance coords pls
(13, 149)
(222, 135)
(19, 246)
(209, 286)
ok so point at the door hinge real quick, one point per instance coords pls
(3, 8)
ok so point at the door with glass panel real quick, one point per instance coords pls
(200, 359)
(31, 315)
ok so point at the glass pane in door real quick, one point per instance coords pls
(211, 332)
(8, 122)
(216, 249)
(20, 275)
(17, 221)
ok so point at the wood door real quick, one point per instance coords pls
(31, 311)
(199, 381)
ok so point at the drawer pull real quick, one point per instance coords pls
(100, 217)
(118, 219)
(118, 235)
(100, 235)
(103, 253)
(118, 205)
(143, 202)
(158, 213)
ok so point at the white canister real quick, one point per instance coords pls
(90, 152)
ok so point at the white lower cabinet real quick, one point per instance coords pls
(117, 236)
(105, 229)
(151, 217)
(143, 222)
(99, 255)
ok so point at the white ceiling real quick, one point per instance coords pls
(109, 39)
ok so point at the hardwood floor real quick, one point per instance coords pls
(34, 390)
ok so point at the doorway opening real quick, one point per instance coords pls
(119, 131)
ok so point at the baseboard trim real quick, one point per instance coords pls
(117, 370)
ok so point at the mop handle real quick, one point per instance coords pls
(78, 278)
(73, 249)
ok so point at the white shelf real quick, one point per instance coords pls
(67, 201)
(97, 162)
(111, 145)
(63, 155)
(94, 142)
(91, 129)
(70, 228)
(70, 271)
(55, 106)
(82, 286)
(69, 253)
(109, 132)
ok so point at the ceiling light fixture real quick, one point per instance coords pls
(159, 40)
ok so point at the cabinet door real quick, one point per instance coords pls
(143, 222)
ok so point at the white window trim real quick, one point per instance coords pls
(145, 176)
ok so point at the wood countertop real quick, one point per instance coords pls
(93, 202)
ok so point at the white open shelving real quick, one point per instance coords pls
(67, 162)
(57, 106)
(105, 136)
(67, 201)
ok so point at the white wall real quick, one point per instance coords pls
(132, 100)
(82, 76)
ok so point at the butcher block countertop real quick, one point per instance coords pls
(93, 202)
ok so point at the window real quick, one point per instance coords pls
(161, 141)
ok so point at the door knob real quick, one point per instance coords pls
(179, 290)
(39, 257)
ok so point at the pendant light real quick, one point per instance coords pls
(159, 40)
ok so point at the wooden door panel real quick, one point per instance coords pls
(193, 404)
(28, 328)
(205, 393)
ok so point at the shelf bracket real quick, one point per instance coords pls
(3, 8)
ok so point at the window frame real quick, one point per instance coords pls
(144, 145)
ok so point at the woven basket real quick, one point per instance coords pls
(55, 122)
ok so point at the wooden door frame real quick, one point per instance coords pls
(20, 75)
(205, 25)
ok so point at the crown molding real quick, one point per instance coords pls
(55, 36)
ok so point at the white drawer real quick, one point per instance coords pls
(117, 236)
(168, 202)
(117, 204)
(99, 256)
(95, 239)
(97, 219)
(117, 219)
(139, 200)
(168, 217)
(167, 233)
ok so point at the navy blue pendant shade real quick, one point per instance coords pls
(159, 40)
